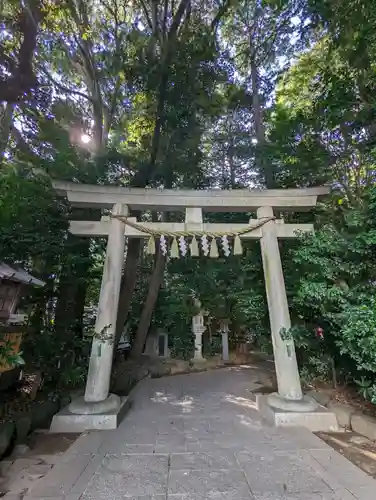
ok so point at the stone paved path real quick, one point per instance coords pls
(196, 437)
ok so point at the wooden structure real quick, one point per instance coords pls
(13, 282)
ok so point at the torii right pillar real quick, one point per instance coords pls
(288, 406)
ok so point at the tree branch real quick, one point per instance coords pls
(146, 14)
(154, 14)
(20, 141)
(164, 81)
(177, 18)
(22, 78)
(143, 175)
(63, 88)
(221, 12)
(165, 14)
(110, 9)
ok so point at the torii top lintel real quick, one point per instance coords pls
(237, 200)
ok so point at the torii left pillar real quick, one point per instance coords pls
(98, 409)
(102, 351)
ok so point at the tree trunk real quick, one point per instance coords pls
(155, 283)
(128, 284)
(79, 305)
(6, 118)
(232, 166)
(19, 78)
(72, 286)
(261, 164)
(143, 177)
(64, 311)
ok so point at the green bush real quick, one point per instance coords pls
(7, 354)
(63, 359)
(357, 336)
(356, 340)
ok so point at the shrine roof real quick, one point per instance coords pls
(18, 275)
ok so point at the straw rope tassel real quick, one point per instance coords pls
(238, 249)
(174, 250)
(214, 249)
(150, 249)
(194, 247)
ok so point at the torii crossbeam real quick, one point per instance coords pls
(214, 200)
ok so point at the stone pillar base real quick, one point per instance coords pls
(295, 413)
(81, 407)
(301, 405)
(80, 416)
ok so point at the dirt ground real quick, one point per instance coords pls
(27, 465)
(44, 443)
(347, 395)
(356, 448)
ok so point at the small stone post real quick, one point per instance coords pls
(288, 379)
(198, 329)
(98, 378)
(224, 332)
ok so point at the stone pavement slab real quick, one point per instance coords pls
(196, 437)
(282, 473)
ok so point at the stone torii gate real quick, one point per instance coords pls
(98, 408)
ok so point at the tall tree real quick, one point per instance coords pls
(181, 50)
(20, 25)
(258, 37)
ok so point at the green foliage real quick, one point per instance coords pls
(31, 222)
(214, 347)
(239, 297)
(63, 360)
(333, 273)
(322, 130)
(367, 389)
(182, 344)
(7, 354)
(322, 125)
(357, 336)
(315, 360)
(174, 312)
